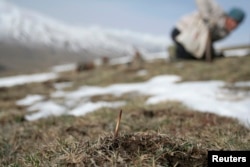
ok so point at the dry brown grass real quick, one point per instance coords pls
(165, 134)
(137, 149)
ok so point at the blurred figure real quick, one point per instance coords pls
(195, 33)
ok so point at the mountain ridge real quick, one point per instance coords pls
(31, 28)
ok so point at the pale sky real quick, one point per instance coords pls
(155, 17)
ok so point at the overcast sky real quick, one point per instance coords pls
(155, 17)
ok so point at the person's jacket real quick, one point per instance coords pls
(213, 19)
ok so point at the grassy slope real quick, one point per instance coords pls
(17, 58)
(167, 134)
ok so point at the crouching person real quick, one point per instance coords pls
(195, 34)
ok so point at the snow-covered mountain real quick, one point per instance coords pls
(32, 28)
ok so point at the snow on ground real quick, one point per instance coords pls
(142, 72)
(153, 56)
(203, 96)
(62, 85)
(64, 68)
(242, 84)
(237, 52)
(90, 106)
(24, 79)
(121, 60)
(42, 77)
(30, 99)
(56, 70)
(50, 108)
(45, 109)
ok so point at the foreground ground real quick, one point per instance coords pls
(167, 134)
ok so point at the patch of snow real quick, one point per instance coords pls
(86, 91)
(64, 68)
(237, 52)
(91, 106)
(98, 62)
(119, 89)
(50, 108)
(147, 56)
(242, 84)
(121, 60)
(142, 72)
(232, 95)
(29, 100)
(62, 85)
(153, 56)
(44, 109)
(204, 96)
(25, 79)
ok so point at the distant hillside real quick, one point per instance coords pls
(32, 29)
(30, 41)
(19, 58)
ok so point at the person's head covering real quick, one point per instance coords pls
(237, 14)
